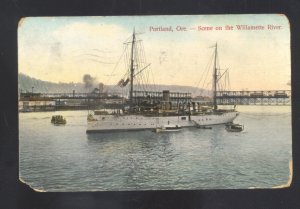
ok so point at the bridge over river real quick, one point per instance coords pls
(61, 101)
(274, 97)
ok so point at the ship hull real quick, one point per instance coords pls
(113, 123)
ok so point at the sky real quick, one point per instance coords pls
(63, 49)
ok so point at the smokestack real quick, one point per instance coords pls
(166, 95)
(166, 99)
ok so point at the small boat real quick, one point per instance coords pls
(232, 127)
(58, 120)
(168, 128)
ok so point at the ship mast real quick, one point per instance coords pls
(215, 80)
(132, 68)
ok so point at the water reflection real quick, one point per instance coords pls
(145, 139)
(217, 137)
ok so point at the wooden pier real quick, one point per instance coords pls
(272, 97)
(82, 101)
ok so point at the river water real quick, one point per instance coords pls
(65, 158)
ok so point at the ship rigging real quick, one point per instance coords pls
(151, 114)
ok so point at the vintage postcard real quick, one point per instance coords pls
(134, 103)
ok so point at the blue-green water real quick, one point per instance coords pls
(65, 158)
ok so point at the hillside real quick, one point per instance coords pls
(26, 83)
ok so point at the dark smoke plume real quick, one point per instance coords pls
(89, 81)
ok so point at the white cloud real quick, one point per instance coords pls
(253, 57)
